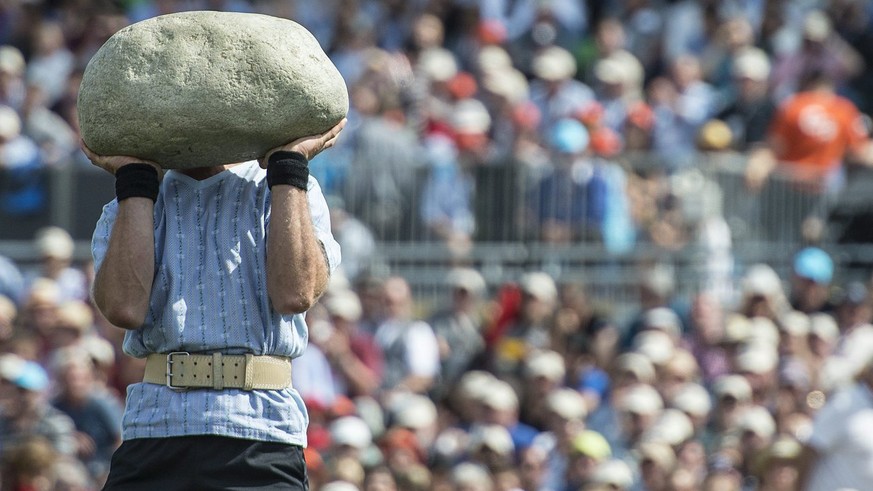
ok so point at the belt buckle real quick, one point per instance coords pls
(170, 370)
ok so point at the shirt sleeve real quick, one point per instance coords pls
(321, 222)
(827, 429)
(100, 239)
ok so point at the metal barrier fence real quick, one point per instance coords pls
(702, 222)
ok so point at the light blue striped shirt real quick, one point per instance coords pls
(210, 295)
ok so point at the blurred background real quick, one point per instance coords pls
(619, 244)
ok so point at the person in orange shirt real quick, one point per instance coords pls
(812, 134)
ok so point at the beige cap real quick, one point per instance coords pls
(475, 384)
(76, 314)
(344, 304)
(467, 279)
(660, 453)
(638, 364)
(733, 385)
(500, 396)
(672, 427)
(100, 349)
(817, 26)
(567, 403)
(495, 437)
(54, 242)
(539, 285)
(471, 476)
(664, 319)
(761, 279)
(758, 420)
(641, 399)
(737, 328)
(611, 71)
(546, 363)
(693, 399)
(554, 63)
(613, 472)
(507, 83)
(493, 59)
(657, 346)
(763, 331)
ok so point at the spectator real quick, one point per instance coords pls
(95, 413)
(555, 92)
(458, 326)
(566, 420)
(26, 412)
(12, 86)
(56, 247)
(749, 112)
(410, 347)
(813, 270)
(530, 329)
(589, 449)
(355, 239)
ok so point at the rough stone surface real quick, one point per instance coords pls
(198, 89)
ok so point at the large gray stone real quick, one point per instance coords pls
(198, 89)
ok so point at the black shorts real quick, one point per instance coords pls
(204, 463)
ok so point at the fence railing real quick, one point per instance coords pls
(702, 222)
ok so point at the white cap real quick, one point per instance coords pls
(795, 323)
(736, 328)
(752, 63)
(99, 348)
(824, 326)
(761, 279)
(554, 63)
(475, 384)
(539, 285)
(414, 411)
(470, 116)
(493, 59)
(500, 396)
(660, 453)
(351, 431)
(77, 314)
(546, 363)
(344, 304)
(11, 366)
(733, 385)
(613, 472)
(611, 71)
(763, 331)
(641, 399)
(438, 64)
(638, 364)
(664, 319)
(672, 427)
(470, 474)
(657, 346)
(495, 437)
(758, 420)
(757, 358)
(467, 279)
(54, 242)
(567, 403)
(693, 399)
(507, 83)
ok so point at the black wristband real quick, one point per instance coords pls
(136, 181)
(290, 168)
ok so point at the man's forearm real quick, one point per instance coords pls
(124, 282)
(297, 271)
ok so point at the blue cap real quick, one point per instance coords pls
(569, 136)
(31, 377)
(814, 264)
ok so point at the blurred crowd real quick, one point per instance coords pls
(588, 108)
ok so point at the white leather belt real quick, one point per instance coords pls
(182, 370)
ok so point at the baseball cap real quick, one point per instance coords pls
(500, 395)
(554, 63)
(757, 359)
(351, 431)
(637, 364)
(591, 444)
(414, 411)
(763, 331)
(733, 385)
(657, 346)
(54, 242)
(494, 437)
(814, 264)
(569, 136)
(29, 376)
(663, 318)
(758, 420)
(693, 399)
(660, 453)
(470, 116)
(567, 403)
(344, 304)
(672, 427)
(816, 26)
(641, 399)
(761, 279)
(546, 363)
(752, 63)
(539, 285)
(613, 472)
(466, 279)
(823, 326)
(438, 64)
(795, 323)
